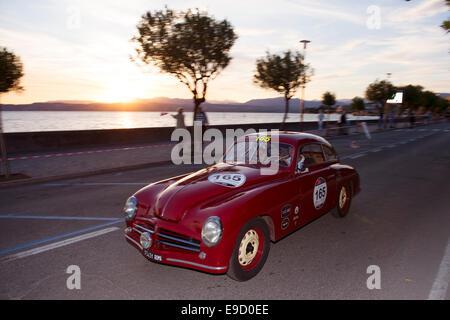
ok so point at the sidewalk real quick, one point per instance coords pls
(77, 163)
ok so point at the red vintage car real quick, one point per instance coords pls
(223, 218)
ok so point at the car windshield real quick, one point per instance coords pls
(260, 152)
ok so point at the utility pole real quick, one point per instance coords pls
(3, 147)
(302, 101)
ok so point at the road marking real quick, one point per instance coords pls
(95, 184)
(376, 149)
(89, 152)
(440, 285)
(358, 156)
(58, 244)
(31, 244)
(56, 217)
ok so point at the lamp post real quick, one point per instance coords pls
(302, 101)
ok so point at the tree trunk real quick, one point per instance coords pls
(197, 103)
(286, 111)
(3, 147)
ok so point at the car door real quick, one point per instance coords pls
(331, 178)
(313, 183)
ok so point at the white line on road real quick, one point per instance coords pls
(440, 285)
(95, 184)
(358, 156)
(58, 244)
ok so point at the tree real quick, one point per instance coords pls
(357, 104)
(11, 71)
(446, 23)
(412, 96)
(328, 99)
(282, 73)
(190, 45)
(428, 100)
(380, 92)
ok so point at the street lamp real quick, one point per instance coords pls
(302, 101)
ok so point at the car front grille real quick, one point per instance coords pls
(169, 238)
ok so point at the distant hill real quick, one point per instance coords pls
(171, 104)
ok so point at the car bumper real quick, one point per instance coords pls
(172, 257)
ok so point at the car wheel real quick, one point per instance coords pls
(344, 201)
(250, 251)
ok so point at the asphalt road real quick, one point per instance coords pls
(399, 222)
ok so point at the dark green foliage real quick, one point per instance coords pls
(191, 45)
(380, 91)
(357, 104)
(282, 73)
(328, 99)
(11, 70)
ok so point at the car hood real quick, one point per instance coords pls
(173, 202)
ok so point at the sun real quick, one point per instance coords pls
(122, 90)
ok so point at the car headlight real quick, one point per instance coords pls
(129, 210)
(212, 231)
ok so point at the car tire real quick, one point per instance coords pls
(344, 200)
(250, 251)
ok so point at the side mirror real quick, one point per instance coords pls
(301, 166)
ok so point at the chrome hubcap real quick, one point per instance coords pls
(342, 197)
(248, 247)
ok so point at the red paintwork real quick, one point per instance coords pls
(190, 199)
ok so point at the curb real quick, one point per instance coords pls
(16, 183)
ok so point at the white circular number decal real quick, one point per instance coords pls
(320, 193)
(228, 179)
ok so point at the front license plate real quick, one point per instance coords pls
(152, 256)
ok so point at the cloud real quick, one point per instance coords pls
(425, 9)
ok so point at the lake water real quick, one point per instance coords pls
(30, 121)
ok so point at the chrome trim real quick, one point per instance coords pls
(196, 264)
(145, 229)
(178, 246)
(132, 240)
(178, 239)
(205, 241)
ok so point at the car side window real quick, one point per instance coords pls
(330, 154)
(313, 154)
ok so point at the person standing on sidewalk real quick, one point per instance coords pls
(321, 117)
(391, 119)
(381, 120)
(180, 118)
(412, 119)
(343, 122)
(201, 116)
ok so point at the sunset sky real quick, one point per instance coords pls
(79, 50)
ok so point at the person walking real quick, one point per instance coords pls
(343, 122)
(180, 118)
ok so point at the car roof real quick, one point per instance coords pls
(293, 137)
